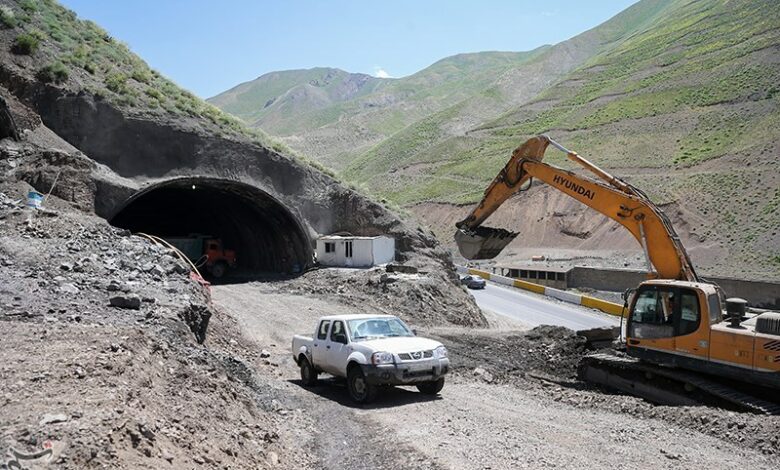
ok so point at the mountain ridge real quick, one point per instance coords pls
(680, 98)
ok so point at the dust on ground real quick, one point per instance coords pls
(494, 412)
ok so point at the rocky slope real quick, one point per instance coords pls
(114, 355)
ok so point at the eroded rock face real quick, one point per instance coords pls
(7, 123)
(142, 148)
(139, 148)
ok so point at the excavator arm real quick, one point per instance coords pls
(614, 198)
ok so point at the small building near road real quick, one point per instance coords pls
(538, 274)
(356, 252)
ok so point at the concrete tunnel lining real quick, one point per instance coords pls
(265, 234)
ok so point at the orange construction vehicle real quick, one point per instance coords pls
(674, 318)
(204, 250)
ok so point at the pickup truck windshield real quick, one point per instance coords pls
(372, 328)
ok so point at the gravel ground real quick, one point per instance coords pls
(492, 413)
(139, 382)
(102, 361)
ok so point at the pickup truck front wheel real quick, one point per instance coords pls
(359, 389)
(308, 374)
(431, 388)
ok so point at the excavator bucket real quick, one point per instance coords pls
(483, 242)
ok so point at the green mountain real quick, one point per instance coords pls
(275, 99)
(333, 116)
(679, 97)
(336, 117)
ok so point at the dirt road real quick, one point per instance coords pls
(474, 424)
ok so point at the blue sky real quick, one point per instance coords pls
(211, 46)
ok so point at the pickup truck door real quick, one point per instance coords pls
(318, 353)
(337, 349)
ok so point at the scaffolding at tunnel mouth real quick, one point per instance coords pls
(216, 220)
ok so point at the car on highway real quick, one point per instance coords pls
(370, 351)
(473, 282)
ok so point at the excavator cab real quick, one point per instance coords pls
(663, 312)
(681, 324)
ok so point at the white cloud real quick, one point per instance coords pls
(549, 13)
(379, 72)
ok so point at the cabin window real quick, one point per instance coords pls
(337, 333)
(330, 247)
(323, 333)
(689, 313)
(524, 273)
(716, 312)
(664, 312)
(653, 313)
(348, 249)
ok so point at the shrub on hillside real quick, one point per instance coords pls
(154, 94)
(29, 6)
(53, 73)
(141, 76)
(117, 82)
(7, 17)
(26, 44)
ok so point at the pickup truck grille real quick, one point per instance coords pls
(416, 356)
(418, 373)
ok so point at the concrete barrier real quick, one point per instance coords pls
(761, 294)
(603, 305)
(570, 297)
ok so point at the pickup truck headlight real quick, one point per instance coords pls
(440, 352)
(381, 358)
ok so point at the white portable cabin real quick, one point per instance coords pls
(358, 252)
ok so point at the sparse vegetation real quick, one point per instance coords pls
(30, 6)
(53, 73)
(117, 82)
(678, 93)
(26, 43)
(7, 17)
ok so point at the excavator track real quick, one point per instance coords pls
(666, 386)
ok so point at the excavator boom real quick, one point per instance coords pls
(674, 320)
(613, 198)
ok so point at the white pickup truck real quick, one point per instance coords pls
(370, 351)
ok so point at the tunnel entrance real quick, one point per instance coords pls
(266, 238)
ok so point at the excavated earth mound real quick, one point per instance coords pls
(507, 358)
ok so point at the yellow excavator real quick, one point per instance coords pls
(675, 319)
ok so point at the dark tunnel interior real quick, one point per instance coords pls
(266, 237)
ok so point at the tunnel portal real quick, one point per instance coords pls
(266, 237)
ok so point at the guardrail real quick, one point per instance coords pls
(579, 299)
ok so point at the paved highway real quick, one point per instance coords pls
(535, 310)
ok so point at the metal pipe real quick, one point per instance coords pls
(575, 157)
(644, 248)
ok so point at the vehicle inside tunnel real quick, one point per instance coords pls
(241, 230)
